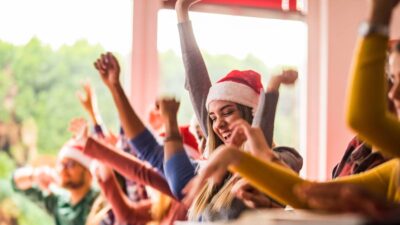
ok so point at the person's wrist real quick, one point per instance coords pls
(115, 88)
(170, 119)
(171, 127)
(181, 6)
(174, 136)
(274, 83)
(182, 13)
(114, 85)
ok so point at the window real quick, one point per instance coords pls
(234, 42)
(46, 48)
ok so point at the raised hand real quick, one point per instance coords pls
(87, 98)
(173, 143)
(168, 107)
(287, 77)
(76, 125)
(256, 143)
(108, 68)
(82, 134)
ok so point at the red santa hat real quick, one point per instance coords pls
(241, 87)
(190, 142)
(73, 150)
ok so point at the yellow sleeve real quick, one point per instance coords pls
(367, 111)
(271, 178)
(382, 181)
(278, 182)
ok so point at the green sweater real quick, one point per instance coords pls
(58, 205)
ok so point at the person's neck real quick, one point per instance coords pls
(78, 194)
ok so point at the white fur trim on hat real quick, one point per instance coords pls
(71, 151)
(233, 92)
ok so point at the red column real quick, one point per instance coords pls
(333, 29)
(144, 80)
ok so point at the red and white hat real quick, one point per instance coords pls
(241, 87)
(190, 142)
(74, 151)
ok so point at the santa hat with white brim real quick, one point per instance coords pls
(242, 87)
(73, 151)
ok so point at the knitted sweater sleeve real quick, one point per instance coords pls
(367, 111)
(179, 170)
(197, 80)
(148, 149)
(265, 117)
(127, 165)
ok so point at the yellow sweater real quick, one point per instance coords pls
(278, 181)
(367, 114)
(367, 111)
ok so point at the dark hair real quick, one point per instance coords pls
(246, 112)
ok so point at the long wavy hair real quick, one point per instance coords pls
(211, 194)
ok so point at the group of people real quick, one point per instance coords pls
(226, 161)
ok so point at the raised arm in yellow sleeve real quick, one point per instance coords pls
(367, 111)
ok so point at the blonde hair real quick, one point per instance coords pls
(101, 207)
(207, 196)
(160, 208)
(98, 211)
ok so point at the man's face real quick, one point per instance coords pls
(72, 174)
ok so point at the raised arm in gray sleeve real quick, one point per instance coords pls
(266, 122)
(197, 80)
(198, 83)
